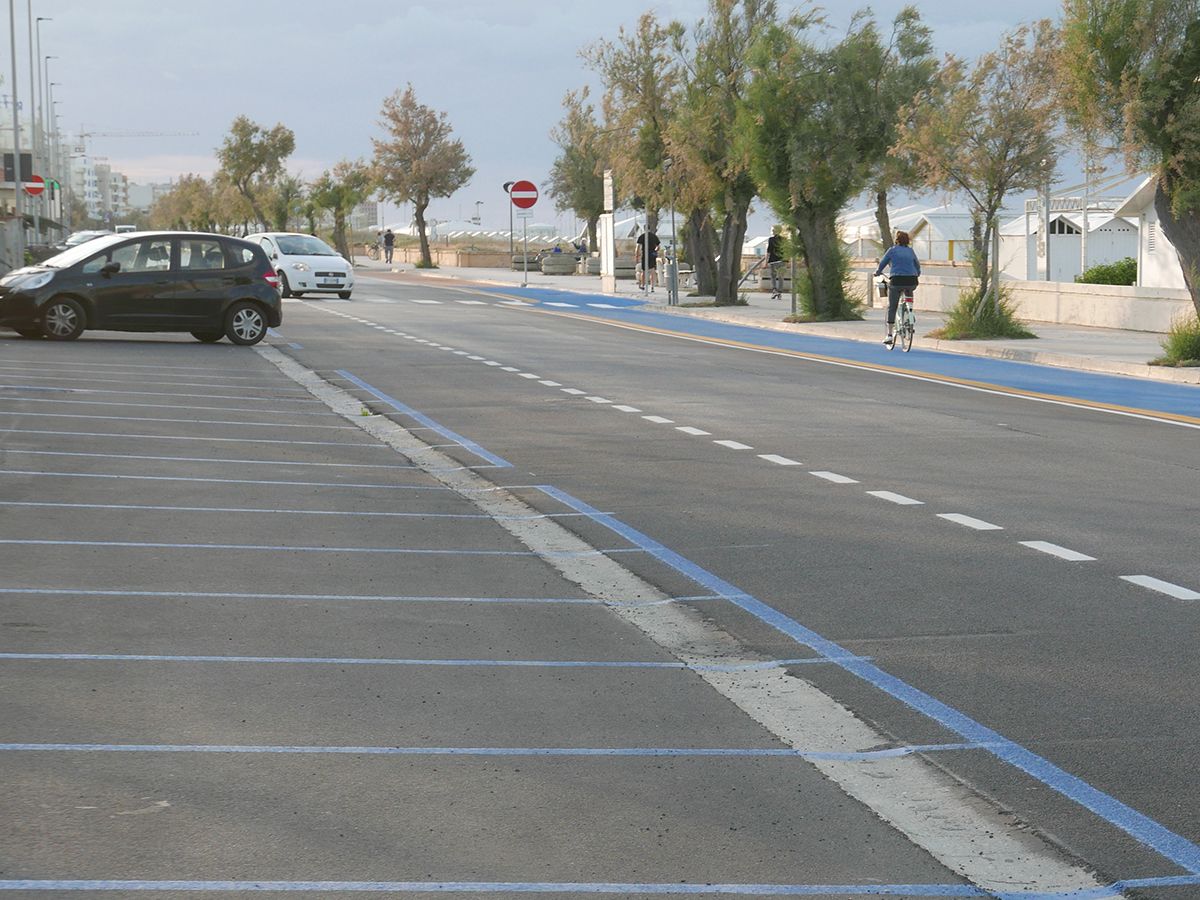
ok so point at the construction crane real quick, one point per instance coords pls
(84, 134)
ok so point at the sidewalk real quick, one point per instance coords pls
(1103, 350)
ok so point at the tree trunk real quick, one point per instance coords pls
(819, 241)
(1184, 234)
(339, 233)
(419, 217)
(883, 220)
(652, 220)
(701, 240)
(591, 233)
(729, 266)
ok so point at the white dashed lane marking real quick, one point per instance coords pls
(598, 399)
(1163, 587)
(490, 362)
(509, 369)
(977, 524)
(624, 408)
(574, 392)
(734, 445)
(659, 420)
(429, 302)
(549, 383)
(529, 375)
(603, 306)
(898, 499)
(568, 305)
(688, 429)
(471, 302)
(1060, 552)
(779, 460)
(476, 358)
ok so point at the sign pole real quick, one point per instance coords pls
(525, 252)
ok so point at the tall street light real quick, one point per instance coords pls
(12, 44)
(41, 86)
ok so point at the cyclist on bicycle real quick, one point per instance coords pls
(906, 271)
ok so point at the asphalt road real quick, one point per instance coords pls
(911, 531)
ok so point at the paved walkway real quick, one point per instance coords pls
(1105, 350)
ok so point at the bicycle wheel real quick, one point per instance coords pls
(908, 331)
(372, 252)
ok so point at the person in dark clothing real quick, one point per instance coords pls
(647, 259)
(389, 245)
(906, 271)
(775, 262)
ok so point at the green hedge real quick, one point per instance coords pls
(1123, 272)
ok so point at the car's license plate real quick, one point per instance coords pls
(332, 284)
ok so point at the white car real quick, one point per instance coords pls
(306, 264)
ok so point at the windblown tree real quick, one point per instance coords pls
(576, 177)
(283, 201)
(641, 78)
(993, 132)
(1132, 71)
(807, 127)
(418, 159)
(252, 159)
(895, 91)
(339, 191)
(702, 134)
(190, 205)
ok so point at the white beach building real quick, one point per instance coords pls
(1158, 263)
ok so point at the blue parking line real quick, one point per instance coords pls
(304, 598)
(454, 663)
(1109, 892)
(652, 752)
(1165, 842)
(284, 548)
(445, 432)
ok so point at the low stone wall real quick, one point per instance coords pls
(467, 259)
(1065, 303)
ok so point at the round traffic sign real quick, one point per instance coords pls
(35, 185)
(524, 194)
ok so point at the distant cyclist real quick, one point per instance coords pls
(905, 275)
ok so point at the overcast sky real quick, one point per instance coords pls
(498, 69)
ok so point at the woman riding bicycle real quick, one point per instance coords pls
(906, 271)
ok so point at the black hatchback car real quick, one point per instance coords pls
(210, 285)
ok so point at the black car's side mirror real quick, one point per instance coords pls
(111, 268)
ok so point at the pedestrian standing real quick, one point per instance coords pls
(647, 259)
(389, 245)
(775, 262)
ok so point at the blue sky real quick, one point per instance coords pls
(498, 69)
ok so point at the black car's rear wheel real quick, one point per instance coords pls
(208, 337)
(245, 323)
(64, 319)
(285, 290)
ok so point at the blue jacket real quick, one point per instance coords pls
(903, 261)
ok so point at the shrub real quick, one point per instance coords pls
(1122, 272)
(976, 317)
(1181, 346)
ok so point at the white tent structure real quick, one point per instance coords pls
(1157, 262)
(939, 233)
(1110, 238)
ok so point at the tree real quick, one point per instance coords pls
(284, 200)
(895, 91)
(339, 192)
(807, 123)
(992, 134)
(252, 158)
(640, 79)
(188, 205)
(1131, 69)
(418, 160)
(576, 179)
(715, 167)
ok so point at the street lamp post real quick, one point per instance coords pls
(508, 190)
(478, 218)
(12, 43)
(41, 97)
(673, 258)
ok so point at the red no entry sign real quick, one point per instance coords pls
(524, 194)
(35, 185)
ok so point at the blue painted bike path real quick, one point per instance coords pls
(1124, 393)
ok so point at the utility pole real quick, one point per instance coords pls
(17, 184)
